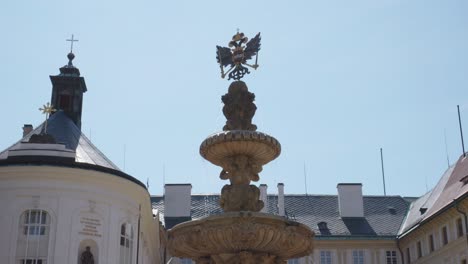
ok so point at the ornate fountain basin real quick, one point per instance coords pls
(257, 145)
(230, 234)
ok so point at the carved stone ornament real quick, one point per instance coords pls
(239, 107)
(241, 154)
(240, 238)
(240, 198)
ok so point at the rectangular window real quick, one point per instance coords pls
(32, 261)
(459, 227)
(431, 243)
(325, 257)
(358, 257)
(293, 261)
(35, 222)
(391, 257)
(186, 261)
(65, 102)
(444, 235)
(418, 245)
(408, 255)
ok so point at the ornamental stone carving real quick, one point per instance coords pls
(242, 155)
(241, 236)
(239, 108)
(240, 198)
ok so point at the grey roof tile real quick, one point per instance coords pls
(383, 214)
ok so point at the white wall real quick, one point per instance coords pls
(84, 205)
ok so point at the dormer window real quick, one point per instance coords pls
(422, 210)
(464, 180)
(323, 228)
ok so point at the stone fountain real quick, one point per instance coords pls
(241, 235)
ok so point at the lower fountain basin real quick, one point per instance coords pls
(237, 232)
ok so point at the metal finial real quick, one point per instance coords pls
(236, 56)
(71, 45)
(47, 109)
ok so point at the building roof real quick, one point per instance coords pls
(444, 195)
(66, 132)
(383, 215)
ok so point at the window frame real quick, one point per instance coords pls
(408, 254)
(126, 243)
(358, 256)
(34, 234)
(444, 235)
(391, 257)
(459, 226)
(431, 243)
(326, 257)
(419, 252)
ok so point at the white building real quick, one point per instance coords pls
(59, 194)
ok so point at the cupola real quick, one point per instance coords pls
(67, 91)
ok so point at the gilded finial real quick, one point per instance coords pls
(47, 109)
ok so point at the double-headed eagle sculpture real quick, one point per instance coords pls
(240, 50)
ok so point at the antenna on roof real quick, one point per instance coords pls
(383, 172)
(124, 153)
(446, 149)
(461, 131)
(425, 180)
(164, 174)
(305, 178)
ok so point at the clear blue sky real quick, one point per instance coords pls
(337, 81)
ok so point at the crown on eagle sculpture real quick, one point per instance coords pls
(236, 56)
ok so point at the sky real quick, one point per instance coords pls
(337, 81)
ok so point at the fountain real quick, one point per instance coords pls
(241, 235)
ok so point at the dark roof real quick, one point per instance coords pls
(65, 131)
(383, 214)
(445, 194)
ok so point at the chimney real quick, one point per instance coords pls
(264, 197)
(281, 199)
(350, 200)
(27, 128)
(177, 200)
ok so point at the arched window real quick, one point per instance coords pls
(126, 244)
(33, 237)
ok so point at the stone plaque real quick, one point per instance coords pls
(90, 226)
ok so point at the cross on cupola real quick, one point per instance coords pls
(71, 43)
